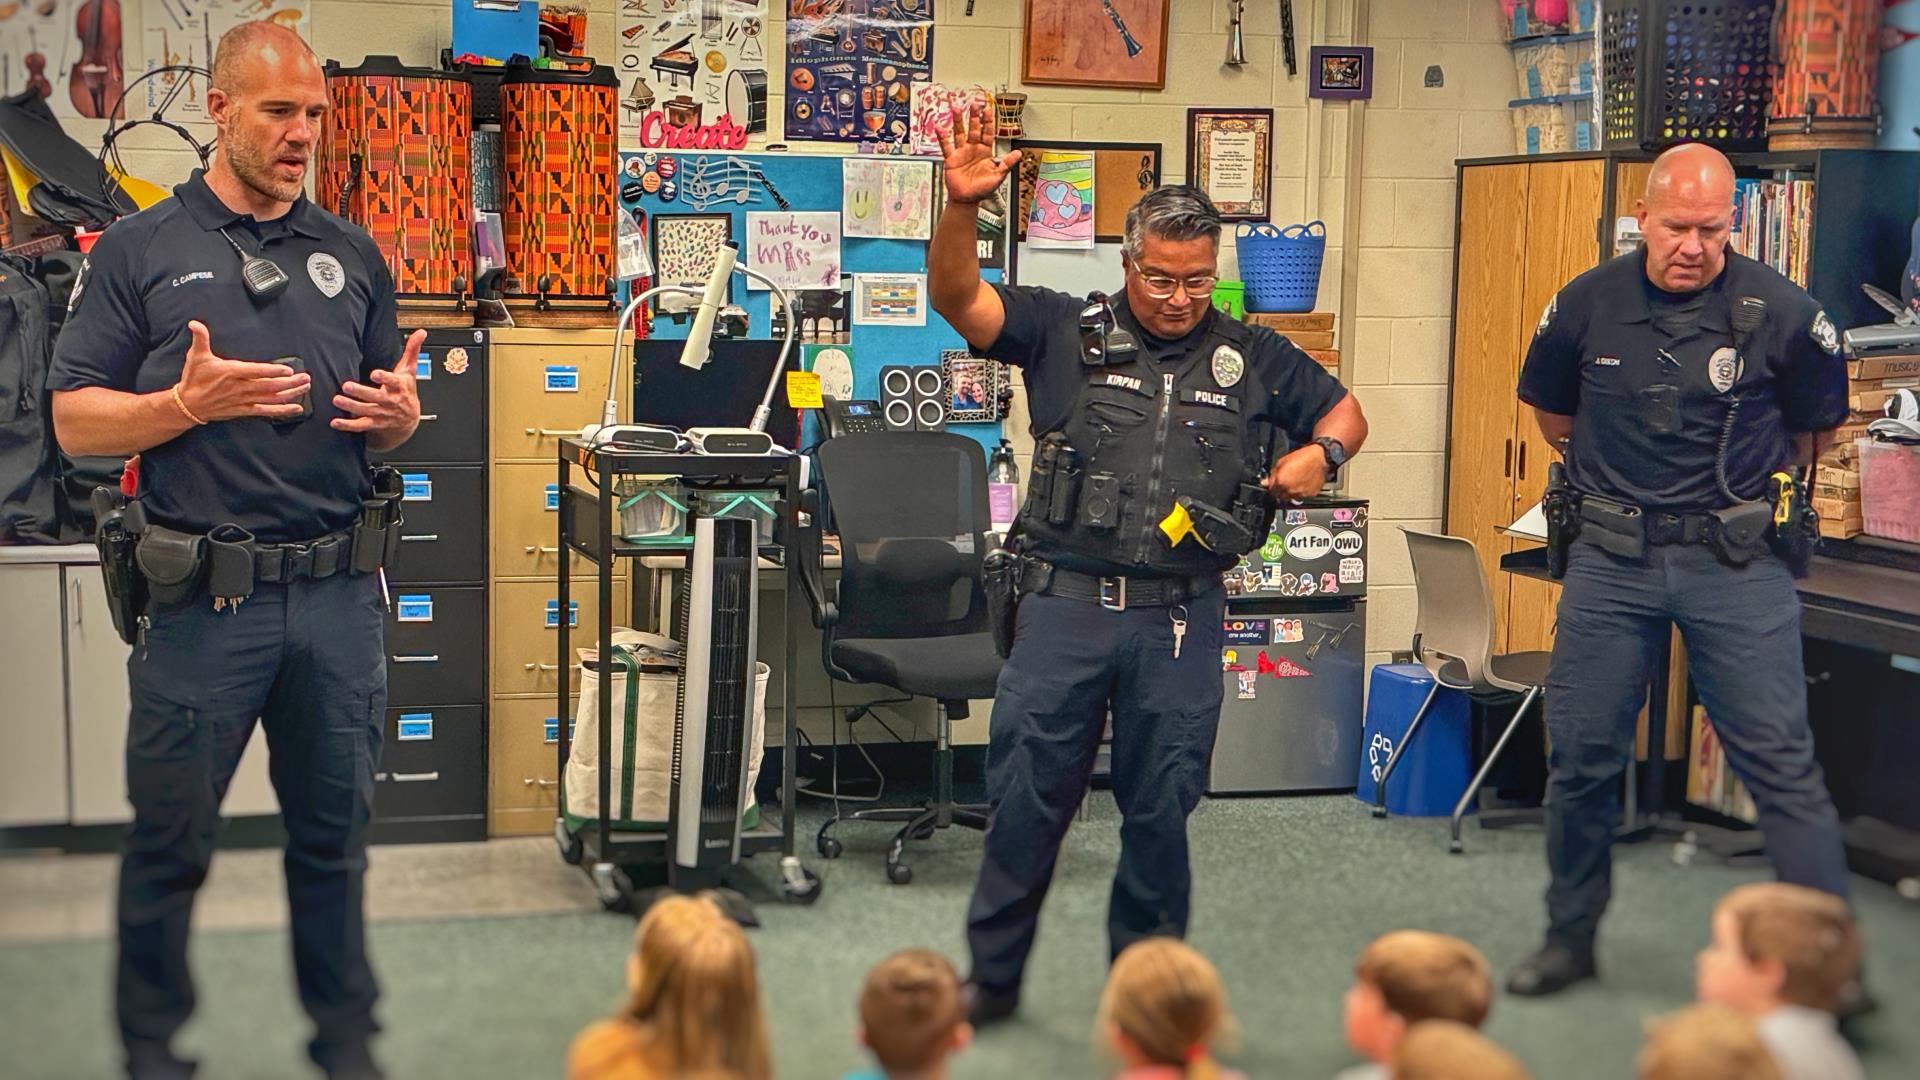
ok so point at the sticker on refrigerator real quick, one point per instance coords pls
(416, 487)
(1271, 551)
(1288, 631)
(1296, 517)
(423, 366)
(1230, 660)
(1307, 586)
(553, 614)
(553, 497)
(1329, 582)
(563, 379)
(456, 362)
(1348, 543)
(1308, 542)
(1251, 579)
(1343, 516)
(414, 608)
(415, 727)
(1249, 685)
(1353, 571)
(1282, 669)
(1244, 631)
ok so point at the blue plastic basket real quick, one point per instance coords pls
(1281, 266)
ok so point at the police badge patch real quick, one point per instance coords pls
(1824, 335)
(1724, 369)
(1228, 366)
(326, 273)
(1546, 316)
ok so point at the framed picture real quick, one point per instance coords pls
(1111, 43)
(1340, 72)
(973, 386)
(685, 247)
(1122, 172)
(1230, 157)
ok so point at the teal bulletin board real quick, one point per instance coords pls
(808, 183)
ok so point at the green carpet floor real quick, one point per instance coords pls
(1287, 892)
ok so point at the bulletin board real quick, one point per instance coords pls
(806, 183)
(1122, 172)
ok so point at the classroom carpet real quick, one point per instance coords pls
(1287, 892)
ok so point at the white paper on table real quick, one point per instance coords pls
(1531, 525)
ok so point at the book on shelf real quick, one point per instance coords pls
(1773, 224)
(1711, 783)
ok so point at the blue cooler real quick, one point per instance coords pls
(1435, 769)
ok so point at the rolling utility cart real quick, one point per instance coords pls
(718, 512)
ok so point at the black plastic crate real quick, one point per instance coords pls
(486, 86)
(1679, 71)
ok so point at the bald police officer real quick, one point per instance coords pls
(1156, 421)
(276, 445)
(1676, 379)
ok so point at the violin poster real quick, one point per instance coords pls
(68, 50)
(852, 66)
(186, 32)
(695, 61)
(1111, 43)
(1061, 212)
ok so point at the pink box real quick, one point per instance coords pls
(1890, 490)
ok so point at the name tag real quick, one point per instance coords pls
(416, 608)
(416, 487)
(1606, 361)
(415, 727)
(1127, 382)
(553, 614)
(1212, 399)
(563, 379)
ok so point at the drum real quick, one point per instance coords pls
(747, 99)
(558, 199)
(393, 159)
(1826, 89)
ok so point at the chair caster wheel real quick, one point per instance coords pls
(1380, 811)
(1455, 847)
(572, 848)
(830, 848)
(798, 884)
(899, 873)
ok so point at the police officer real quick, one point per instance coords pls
(276, 444)
(1676, 379)
(1155, 418)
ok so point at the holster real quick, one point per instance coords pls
(230, 562)
(1740, 532)
(1220, 531)
(1614, 527)
(120, 523)
(1796, 525)
(1253, 508)
(1000, 573)
(376, 536)
(1562, 508)
(174, 563)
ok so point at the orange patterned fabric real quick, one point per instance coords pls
(414, 193)
(1829, 59)
(557, 199)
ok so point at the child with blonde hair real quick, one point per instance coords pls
(913, 1016)
(1451, 1050)
(1784, 955)
(693, 1003)
(1403, 978)
(1706, 1042)
(1162, 1010)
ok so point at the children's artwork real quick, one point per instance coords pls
(1122, 172)
(933, 107)
(887, 198)
(794, 250)
(685, 247)
(688, 63)
(889, 300)
(973, 386)
(851, 67)
(1061, 215)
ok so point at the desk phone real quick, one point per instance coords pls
(853, 417)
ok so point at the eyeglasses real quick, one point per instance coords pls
(1163, 288)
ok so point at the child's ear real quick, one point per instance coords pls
(1773, 973)
(962, 1037)
(633, 970)
(860, 1038)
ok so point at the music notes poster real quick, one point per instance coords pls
(695, 60)
(187, 32)
(852, 66)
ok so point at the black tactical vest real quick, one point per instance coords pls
(1139, 436)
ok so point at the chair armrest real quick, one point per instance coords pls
(812, 580)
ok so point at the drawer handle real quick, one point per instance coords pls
(531, 550)
(425, 416)
(531, 782)
(429, 659)
(413, 777)
(419, 538)
(553, 433)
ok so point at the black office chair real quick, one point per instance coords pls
(909, 611)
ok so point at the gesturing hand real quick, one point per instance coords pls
(213, 388)
(972, 172)
(1299, 475)
(392, 403)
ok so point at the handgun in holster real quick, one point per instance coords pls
(1219, 530)
(120, 523)
(1796, 525)
(376, 536)
(1561, 506)
(1000, 574)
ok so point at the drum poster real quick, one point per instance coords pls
(851, 67)
(696, 61)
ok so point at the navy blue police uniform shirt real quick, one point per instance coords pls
(151, 273)
(1598, 345)
(1041, 336)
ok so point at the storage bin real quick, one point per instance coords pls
(1554, 66)
(1890, 490)
(757, 506)
(1676, 71)
(652, 511)
(1532, 18)
(1554, 125)
(1436, 766)
(1281, 266)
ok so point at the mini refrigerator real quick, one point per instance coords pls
(1293, 655)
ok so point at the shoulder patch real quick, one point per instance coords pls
(1546, 316)
(1823, 333)
(79, 283)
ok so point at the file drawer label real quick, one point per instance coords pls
(416, 727)
(414, 608)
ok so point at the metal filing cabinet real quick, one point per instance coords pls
(431, 783)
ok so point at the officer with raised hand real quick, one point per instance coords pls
(257, 550)
(1161, 427)
(1677, 379)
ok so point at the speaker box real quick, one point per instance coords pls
(913, 398)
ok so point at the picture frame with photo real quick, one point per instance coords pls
(1118, 44)
(685, 248)
(1340, 72)
(1230, 157)
(972, 386)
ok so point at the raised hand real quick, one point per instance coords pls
(971, 171)
(213, 388)
(392, 403)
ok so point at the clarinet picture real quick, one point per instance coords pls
(1133, 47)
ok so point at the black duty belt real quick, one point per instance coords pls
(1679, 528)
(308, 560)
(1117, 593)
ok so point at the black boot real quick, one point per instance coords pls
(1550, 970)
(986, 1007)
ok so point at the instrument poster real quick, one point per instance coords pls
(187, 31)
(695, 60)
(851, 67)
(68, 50)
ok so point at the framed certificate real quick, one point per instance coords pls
(1230, 157)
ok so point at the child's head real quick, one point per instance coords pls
(1450, 1050)
(1408, 976)
(1706, 1042)
(1164, 1005)
(1777, 944)
(911, 1012)
(692, 989)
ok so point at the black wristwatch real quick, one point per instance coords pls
(1336, 454)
